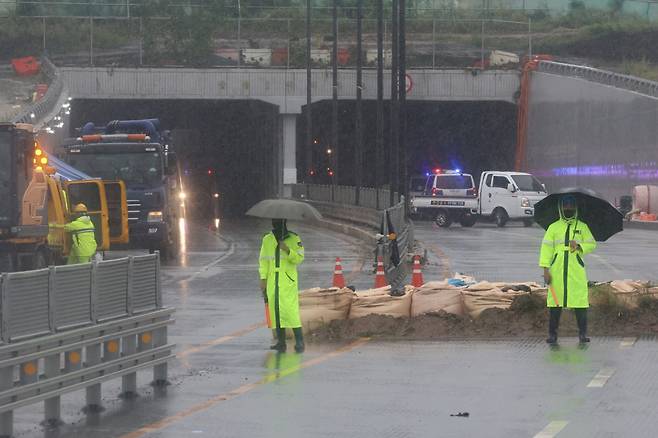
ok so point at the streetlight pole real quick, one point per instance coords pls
(309, 116)
(334, 100)
(394, 140)
(380, 94)
(359, 107)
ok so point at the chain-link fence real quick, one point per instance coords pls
(439, 41)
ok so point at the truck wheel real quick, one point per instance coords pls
(468, 220)
(500, 216)
(443, 219)
(528, 222)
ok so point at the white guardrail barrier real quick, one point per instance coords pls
(99, 320)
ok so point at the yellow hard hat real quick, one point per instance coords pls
(80, 208)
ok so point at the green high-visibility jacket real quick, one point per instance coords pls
(282, 285)
(83, 240)
(569, 279)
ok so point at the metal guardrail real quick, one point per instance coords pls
(339, 202)
(626, 82)
(47, 103)
(101, 320)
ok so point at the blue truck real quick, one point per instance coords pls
(135, 152)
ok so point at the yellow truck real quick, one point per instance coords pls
(38, 197)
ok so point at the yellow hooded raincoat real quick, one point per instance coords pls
(282, 286)
(569, 279)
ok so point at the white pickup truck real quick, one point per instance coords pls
(450, 196)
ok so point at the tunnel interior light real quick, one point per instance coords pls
(210, 172)
(329, 151)
(182, 195)
(215, 195)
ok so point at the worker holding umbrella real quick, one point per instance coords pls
(280, 254)
(574, 219)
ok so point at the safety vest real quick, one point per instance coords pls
(569, 278)
(280, 270)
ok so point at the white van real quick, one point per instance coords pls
(506, 196)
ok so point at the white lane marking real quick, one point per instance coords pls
(552, 429)
(627, 342)
(218, 260)
(601, 378)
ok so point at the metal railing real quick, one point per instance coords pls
(101, 320)
(339, 202)
(49, 101)
(626, 82)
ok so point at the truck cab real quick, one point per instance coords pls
(148, 174)
(506, 196)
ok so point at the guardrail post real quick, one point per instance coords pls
(93, 352)
(52, 406)
(6, 418)
(129, 343)
(160, 371)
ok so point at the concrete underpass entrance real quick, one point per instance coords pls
(226, 147)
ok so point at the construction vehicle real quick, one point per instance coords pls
(136, 152)
(39, 195)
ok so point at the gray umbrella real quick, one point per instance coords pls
(284, 209)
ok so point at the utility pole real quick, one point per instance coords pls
(334, 100)
(404, 184)
(308, 155)
(380, 95)
(395, 139)
(358, 150)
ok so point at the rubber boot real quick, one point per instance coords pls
(553, 324)
(299, 340)
(581, 319)
(280, 345)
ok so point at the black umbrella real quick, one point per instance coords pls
(602, 218)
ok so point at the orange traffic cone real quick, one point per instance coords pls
(339, 280)
(416, 273)
(380, 277)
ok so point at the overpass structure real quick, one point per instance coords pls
(285, 89)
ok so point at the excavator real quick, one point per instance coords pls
(38, 193)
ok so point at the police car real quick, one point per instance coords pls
(449, 196)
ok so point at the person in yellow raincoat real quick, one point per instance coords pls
(280, 253)
(83, 240)
(563, 248)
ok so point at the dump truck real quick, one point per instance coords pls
(39, 194)
(136, 152)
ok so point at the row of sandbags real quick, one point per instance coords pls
(320, 306)
(629, 293)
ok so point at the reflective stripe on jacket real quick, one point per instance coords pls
(569, 279)
(283, 300)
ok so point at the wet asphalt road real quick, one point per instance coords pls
(512, 253)
(226, 383)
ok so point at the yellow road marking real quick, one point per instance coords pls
(601, 378)
(199, 407)
(206, 345)
(552, 429)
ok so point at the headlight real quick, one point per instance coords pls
(154, 216)
(525, 202)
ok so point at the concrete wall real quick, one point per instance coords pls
(589, 134)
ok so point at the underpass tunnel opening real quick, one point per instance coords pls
(472, 136)
(226, 150)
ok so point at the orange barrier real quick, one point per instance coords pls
(26, 66)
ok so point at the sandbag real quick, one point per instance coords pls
(372, 303)
(626, 286)
(477, 301)
(320, 306)
(372, 292)
(437, 296)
